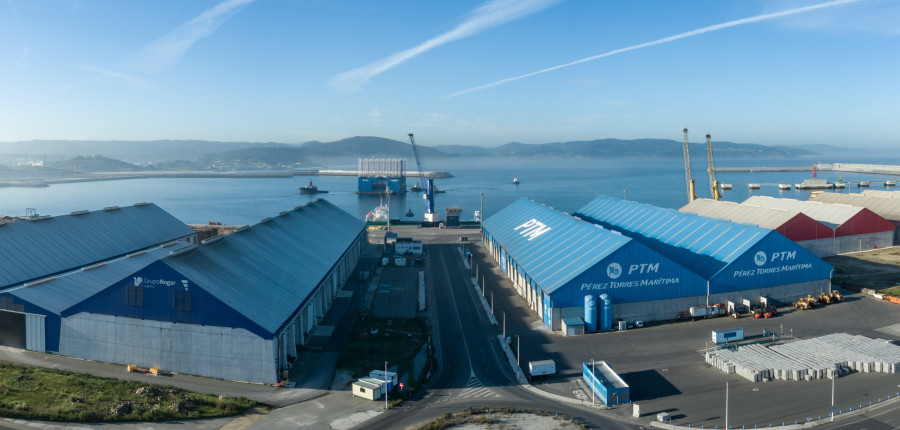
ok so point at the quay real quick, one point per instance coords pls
(765, 169)
(333, 172)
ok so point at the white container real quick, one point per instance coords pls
(541, 367)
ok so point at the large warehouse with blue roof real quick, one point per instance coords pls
(650, 263)
(232, 307)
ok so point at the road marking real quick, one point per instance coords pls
(474, 388)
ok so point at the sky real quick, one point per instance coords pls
(484, 73)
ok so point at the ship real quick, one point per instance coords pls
(814, 184)
(516, 180)
(379, 214)
(311, 189)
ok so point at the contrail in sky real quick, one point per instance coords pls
(488, 15)
(680, 36)
(165, 52)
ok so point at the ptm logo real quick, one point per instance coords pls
(532, 229)
(614, 270)
(759, 258)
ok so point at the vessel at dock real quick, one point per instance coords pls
(890, 183)
(311, 189)
(863, 184)
(726, 186)
(814, 184)
(753, 186)
(784, 186)
(840, 185)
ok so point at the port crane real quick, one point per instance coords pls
(431, 218)
(687, 169)
(713, 183)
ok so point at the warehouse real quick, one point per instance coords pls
(887, 208)
(855, 228)
(739, 261)
(812, 235)
(879, 193)
(233, 307)
(40, 249)
(560, 264)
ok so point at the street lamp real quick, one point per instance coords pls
(726, 404)
(593, 375)
(385, 387)
(518, 343)
(833, 377)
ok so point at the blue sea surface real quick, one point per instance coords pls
(563, 184)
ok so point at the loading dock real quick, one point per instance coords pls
(12, 329)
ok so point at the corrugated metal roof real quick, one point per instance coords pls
(760, 216)
(69, 289)
(267, 271)
(47, 246)
(885, 207)
(830, 214)
(879, 193)
(703, 245)
(550, 246)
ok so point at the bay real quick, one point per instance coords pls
(565, 184)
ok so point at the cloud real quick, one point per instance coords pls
(374, 115)
(134, 80)
(166, 51)
(680, 36)
(488, 15)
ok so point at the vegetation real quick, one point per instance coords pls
(374, 341)
(493, 418)
(34, 393)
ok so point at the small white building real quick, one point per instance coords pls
(368, 388)
(407, 246)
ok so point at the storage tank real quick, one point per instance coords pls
(590, 313)
(605, 312)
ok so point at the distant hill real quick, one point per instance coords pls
(225, 156)
(129, 151)
(96, 163)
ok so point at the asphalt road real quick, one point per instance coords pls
(472, 368)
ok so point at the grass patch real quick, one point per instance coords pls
(493, 418)
(376, 340)
(34, 393)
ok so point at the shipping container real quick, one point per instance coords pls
(724, 336)
(541, 367)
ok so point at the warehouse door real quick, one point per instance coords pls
(34, 333)
(12, 329)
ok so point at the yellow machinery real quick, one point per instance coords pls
(836, 296)
(713, 183)
(825, 298)
(803, 303)
(812, 300)
(692, 195)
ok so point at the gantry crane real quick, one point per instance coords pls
(431, 218)
(687, 169)
(713, 183)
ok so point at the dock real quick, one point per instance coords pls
(333, 172)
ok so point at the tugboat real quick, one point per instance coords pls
(416, 188)
(516, 180)
(311, 189)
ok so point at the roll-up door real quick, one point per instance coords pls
(34, 333)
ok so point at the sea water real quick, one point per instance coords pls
(565, 184)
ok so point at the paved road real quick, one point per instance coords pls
(473, 369)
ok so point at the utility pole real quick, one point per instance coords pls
(492, 302)
(726, 404)
(593, 375)
(518, 344)
(504, 326)
(385, 387)
(481, 222)
(833, 377)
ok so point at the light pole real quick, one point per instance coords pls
(593, 375)
(518, 344)
(385, 386)
(481, 221)
(626, 193)
(726, 404)
(504, 326)
(492, 302)
(833, 377)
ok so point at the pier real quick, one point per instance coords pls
(332, 172)
(877, 169)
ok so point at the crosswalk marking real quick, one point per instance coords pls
(474, 388)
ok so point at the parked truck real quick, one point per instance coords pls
(710, 311)
(541, 368)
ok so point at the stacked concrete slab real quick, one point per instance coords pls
(822, 357)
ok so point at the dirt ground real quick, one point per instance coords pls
(878, 270)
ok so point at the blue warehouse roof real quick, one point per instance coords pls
(267, 271)
(704, 245)
(72, 288)
(552, 247)
(44, 246)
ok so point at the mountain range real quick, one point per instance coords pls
(211, 155)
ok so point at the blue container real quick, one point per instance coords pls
(605, 312)
(590, 313)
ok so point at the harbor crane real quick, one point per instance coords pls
(431, 218)
(713, 183)
(687, 169)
